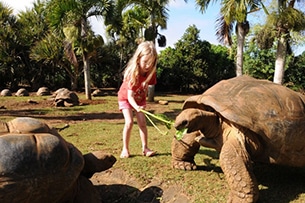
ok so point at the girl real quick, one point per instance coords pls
(139, 73)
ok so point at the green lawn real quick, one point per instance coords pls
(102, 130)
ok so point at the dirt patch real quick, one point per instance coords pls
(115, 185)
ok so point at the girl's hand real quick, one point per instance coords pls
(145, 85)
(139, 108)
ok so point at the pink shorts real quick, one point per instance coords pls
(126, 105)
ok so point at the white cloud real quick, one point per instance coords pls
(177, 4)
(19, 5)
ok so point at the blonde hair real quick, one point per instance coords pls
(132, 71)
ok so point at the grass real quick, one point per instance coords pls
(102, 130)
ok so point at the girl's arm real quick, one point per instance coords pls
(132, 101)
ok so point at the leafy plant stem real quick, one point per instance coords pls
(169, 123)
(156, 117)
(163, 133)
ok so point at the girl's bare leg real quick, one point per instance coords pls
(128, 116)
(143, 134)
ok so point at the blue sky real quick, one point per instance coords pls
(181, 16)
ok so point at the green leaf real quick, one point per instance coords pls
(181, 133)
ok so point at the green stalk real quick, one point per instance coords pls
(157, 117)
(163, 133)
(179, 133)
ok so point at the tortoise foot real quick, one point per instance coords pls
(184, 165)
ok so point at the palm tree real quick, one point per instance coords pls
(127, 30)
(279, 26)
(9, 44)
(158, 13)
(287, 19)
(73, 17)
(49, 51)
(231, 12)
(33, 29)
(136, 16)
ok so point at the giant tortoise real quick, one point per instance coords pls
(38, 165)
(6, 92)
(65, 97)
(22, 92)
(43, 91)
(246, 120)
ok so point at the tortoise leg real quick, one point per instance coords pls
(237, 167)
(184, 150)
(96, 162)
(81, 191)
(86, 192)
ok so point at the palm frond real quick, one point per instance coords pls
(265, 36)
(203, 4)
(293, 19)
(264, 8)
(70, 54)
(224, 31)
(47, 50)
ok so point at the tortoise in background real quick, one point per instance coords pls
(97, 93)
(246, 120)
(6, 92)
(65, 97)
(22, 92)
(38, 165)
(43, 91)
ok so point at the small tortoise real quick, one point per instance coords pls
(43, 91)
(22, 92)
(6, 92)
(38, 165)
(246, 120)
(97, 93)
(65, 97)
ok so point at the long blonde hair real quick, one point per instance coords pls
(132, 71)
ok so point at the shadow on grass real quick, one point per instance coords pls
(120, 193)
(281, 184)
(44, 113)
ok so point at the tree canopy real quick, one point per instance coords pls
(53, 45)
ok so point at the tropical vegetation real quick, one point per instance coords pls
(53, 45)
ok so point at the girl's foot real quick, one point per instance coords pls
(124, 154)
(148, 153)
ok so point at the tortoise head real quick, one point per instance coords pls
(96, 162)
(197, 119)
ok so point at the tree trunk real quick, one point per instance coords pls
(240, 49)
(74, 85)
(151, 88)
(73, 76)
(280, 60)
(151, 93)
(87, 77)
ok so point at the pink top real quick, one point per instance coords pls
(140, 91)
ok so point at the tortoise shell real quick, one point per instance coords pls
(22, 92)
(36, 163)
(6, 92)
(64, 95)
(42, 91)
(262, 106)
